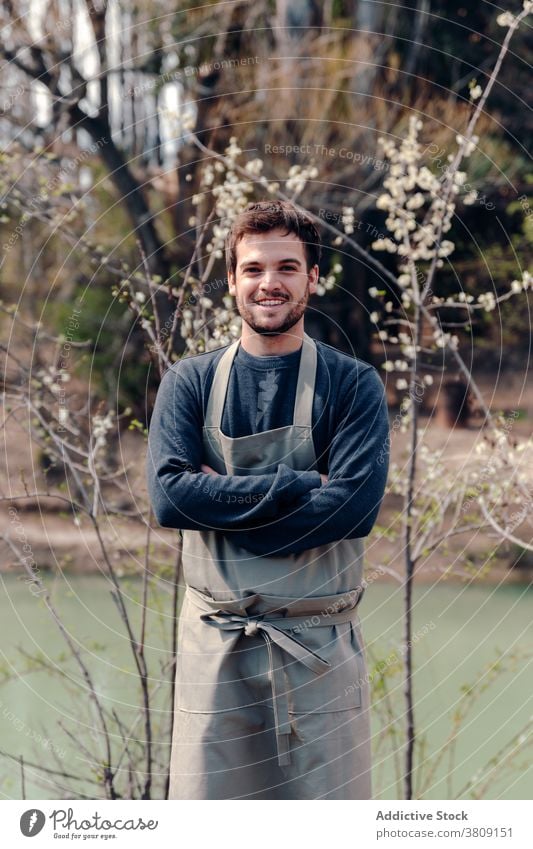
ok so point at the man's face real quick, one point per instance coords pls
(271, 284)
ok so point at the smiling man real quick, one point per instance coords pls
(270, 454)
(271, 286)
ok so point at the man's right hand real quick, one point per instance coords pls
(324, 479)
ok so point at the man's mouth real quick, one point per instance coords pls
(271, 302)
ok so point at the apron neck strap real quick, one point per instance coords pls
(305, 388)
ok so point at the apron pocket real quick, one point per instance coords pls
(218, 670)
(339, 687)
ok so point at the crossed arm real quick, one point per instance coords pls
(208, 470)
(282, 513)
(347, 504)
(186, 498)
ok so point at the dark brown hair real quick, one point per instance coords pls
(268, 215)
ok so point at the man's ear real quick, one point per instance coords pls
(313, 279)
(231, 283)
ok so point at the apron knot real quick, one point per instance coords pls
(251, 628)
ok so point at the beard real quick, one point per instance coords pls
(284, 322)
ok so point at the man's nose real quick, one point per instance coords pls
(269, 278)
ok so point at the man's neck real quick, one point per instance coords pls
(260, 345)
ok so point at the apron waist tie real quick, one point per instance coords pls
(273, 632)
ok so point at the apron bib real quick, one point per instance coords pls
(272, 695)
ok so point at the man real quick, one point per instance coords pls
(270, 454)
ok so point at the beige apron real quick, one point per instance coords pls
(272, 695)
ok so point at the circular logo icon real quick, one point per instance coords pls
(32, 822)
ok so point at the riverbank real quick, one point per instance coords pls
(58, 541)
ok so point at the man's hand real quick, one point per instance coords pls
(324, 479)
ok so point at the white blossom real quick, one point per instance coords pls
(348, 217)
(487, 301)
(384, 201)
(299, 176)
(254, 166)
(524, 284)
(469, 146)
(506, 19)
(100, 427)
(446, 248)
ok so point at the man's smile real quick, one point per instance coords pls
(270, 302)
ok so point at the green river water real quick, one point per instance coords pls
(459, 631)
